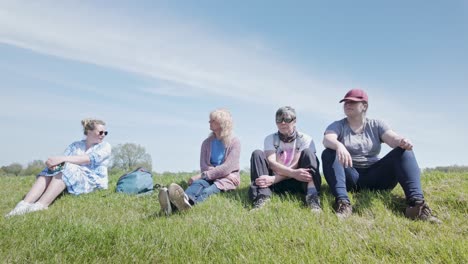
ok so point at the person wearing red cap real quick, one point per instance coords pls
(351, 162)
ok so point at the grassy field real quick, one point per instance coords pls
(105, 227)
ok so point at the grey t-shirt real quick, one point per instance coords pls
(364, 147)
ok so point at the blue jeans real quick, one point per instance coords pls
(398, 166)
(200, 190)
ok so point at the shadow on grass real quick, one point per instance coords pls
(239, 194)
(364, 199)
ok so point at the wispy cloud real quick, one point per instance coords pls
(183, 59)
(188, 58)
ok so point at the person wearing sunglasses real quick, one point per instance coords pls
(287, 164)
(81, 169)
(351, 162)
(219, 167)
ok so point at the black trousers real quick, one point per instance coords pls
(259, 166)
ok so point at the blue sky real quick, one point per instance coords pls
(153, 70)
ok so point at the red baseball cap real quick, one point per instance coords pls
(356, 95)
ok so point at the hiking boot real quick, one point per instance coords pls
(20, 209)
(178, 197)
(164, 201)
(343, 209)
(313, 202)
(421, 211)
(260, 201)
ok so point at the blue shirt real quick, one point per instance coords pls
(217, 152)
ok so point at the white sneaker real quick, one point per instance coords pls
(164, 201)
(20, 209)
(37, 207)
(178, 197)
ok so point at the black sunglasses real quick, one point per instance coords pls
(103, 133)
(287, 120)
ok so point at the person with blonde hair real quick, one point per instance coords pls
(219, 167)
(81, 169)
(351, 162)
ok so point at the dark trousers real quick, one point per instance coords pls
(398, 166)
(259, 166)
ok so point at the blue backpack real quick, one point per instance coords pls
(139, 181)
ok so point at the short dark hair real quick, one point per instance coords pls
(286, 110)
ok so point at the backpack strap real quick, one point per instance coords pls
(276, 141)
(298, 139)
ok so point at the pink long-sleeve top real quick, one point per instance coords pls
(229, 166)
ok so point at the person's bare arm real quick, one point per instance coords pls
(79, 160)
(394, 140)
(300, 174)
(330, 140)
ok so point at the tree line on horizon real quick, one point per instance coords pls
(129, 156)
(125, 157)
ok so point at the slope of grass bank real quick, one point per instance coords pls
(108, 227)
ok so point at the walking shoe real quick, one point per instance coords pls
(20, 209)
(260, 201)
(421, 211)
(313, 202)
(164, 201)
(178, 197)
(343, 208)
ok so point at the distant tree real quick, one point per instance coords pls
(34, 167)
(130, 156)
(14, 168)
(2, 172)
(452, 168)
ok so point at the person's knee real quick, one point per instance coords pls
(408, 154)
(308, 157)
(201, 182)
(257, 154)
(308, 152)
(328, 155)
(402, 154)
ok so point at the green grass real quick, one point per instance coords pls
(106, 227)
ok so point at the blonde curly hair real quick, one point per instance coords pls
(224, 118)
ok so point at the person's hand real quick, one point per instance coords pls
(194, 178)
(343, 156)
(265, 181)
(233, 179)
(53, 161)
(405, 144)
(303, 175)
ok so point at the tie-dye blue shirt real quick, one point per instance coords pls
(85, 178)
